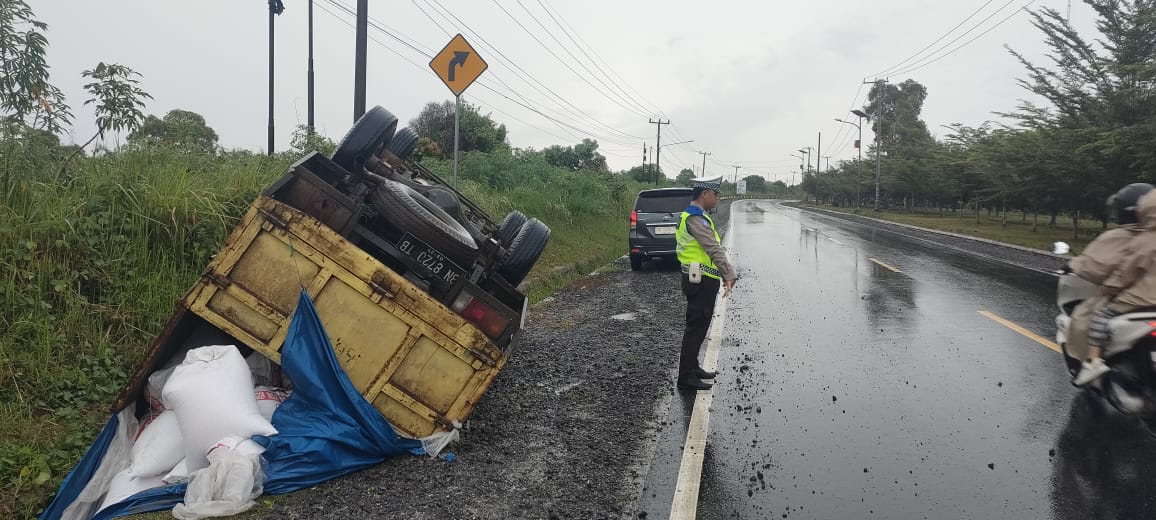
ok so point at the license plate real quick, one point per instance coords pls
(430, 260)
(668, 230)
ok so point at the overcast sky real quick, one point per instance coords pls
(749, 81)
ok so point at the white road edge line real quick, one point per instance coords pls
(685, 503)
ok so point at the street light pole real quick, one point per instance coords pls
(859, 145)
(878, 130)
(361, 47)
(310, 112)
(275, 8)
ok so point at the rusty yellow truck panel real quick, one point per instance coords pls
(420, 364)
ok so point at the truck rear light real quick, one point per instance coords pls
(634, 219)
(481, 315)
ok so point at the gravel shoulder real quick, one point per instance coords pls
(1034, 259)
(566, 430)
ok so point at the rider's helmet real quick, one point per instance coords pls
(1122, 204)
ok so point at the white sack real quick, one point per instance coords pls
(212, 395)
(158, 448)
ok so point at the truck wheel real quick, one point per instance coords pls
(409, 211)
(403, 144)
(510, 227)
(365, 139)
(524, 251)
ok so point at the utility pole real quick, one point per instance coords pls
(828, 158)
(807, 150)
(737, 179)
(309, 117)
(644, 157)
(819, 153)
(704, 154)
(359, 58)
(878, 130)
(275, 8)
(658, 149)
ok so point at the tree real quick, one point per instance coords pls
(477, 132)
(582, 156)
(306, 140)
(180, 129)
(643, 174)
(118, 98)
(756, 183)
(685, 177)
(27, 98)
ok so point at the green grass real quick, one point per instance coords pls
(1016, 231)
(95, 261)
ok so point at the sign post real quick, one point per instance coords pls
(458, 65)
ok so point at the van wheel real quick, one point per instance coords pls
(404, 142)
(510, 227)
(524, 252)
(408, 210)
(365, 139)
(635, 263)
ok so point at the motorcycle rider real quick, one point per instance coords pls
(1099, 259)
(1131, 286)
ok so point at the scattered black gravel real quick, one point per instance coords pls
(1034, 259)
(566, 429)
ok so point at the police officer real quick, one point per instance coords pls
(704, 269)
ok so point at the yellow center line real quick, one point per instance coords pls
(885, 266)
(1025, 332)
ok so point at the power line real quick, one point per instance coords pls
(550, 33)
(587, 55)
(917, 66)
(613, 72)
(522, 73)
(937, 40)
(581, 132)
(563, 62)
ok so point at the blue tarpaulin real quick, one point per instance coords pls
(326, 429)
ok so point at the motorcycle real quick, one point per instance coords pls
(1130, 386)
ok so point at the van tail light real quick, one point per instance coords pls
(1153, 325)
(634, 219)
(481, 315)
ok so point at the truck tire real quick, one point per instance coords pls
(411, 212)
(510, 227)
(403, 144)
(524, 251)
(366, 138)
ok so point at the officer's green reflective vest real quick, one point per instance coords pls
(689, 250)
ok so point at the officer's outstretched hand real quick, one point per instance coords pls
(728, 286)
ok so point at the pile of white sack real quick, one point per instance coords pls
(201, 417)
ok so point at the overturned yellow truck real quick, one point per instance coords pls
(416, 289)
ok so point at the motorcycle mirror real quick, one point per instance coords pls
(1061, 248)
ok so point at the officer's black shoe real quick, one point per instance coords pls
(703, 374)
(693, 383)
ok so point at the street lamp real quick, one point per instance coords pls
(859, 145)
(863, 115)
(801, 159)
(658, 167)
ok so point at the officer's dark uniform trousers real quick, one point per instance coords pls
(700, 299)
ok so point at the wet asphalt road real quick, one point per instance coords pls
(851, 389)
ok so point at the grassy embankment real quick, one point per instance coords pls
(94, 262)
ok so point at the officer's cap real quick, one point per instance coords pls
(708, 184)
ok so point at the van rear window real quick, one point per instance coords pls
(662, 202)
